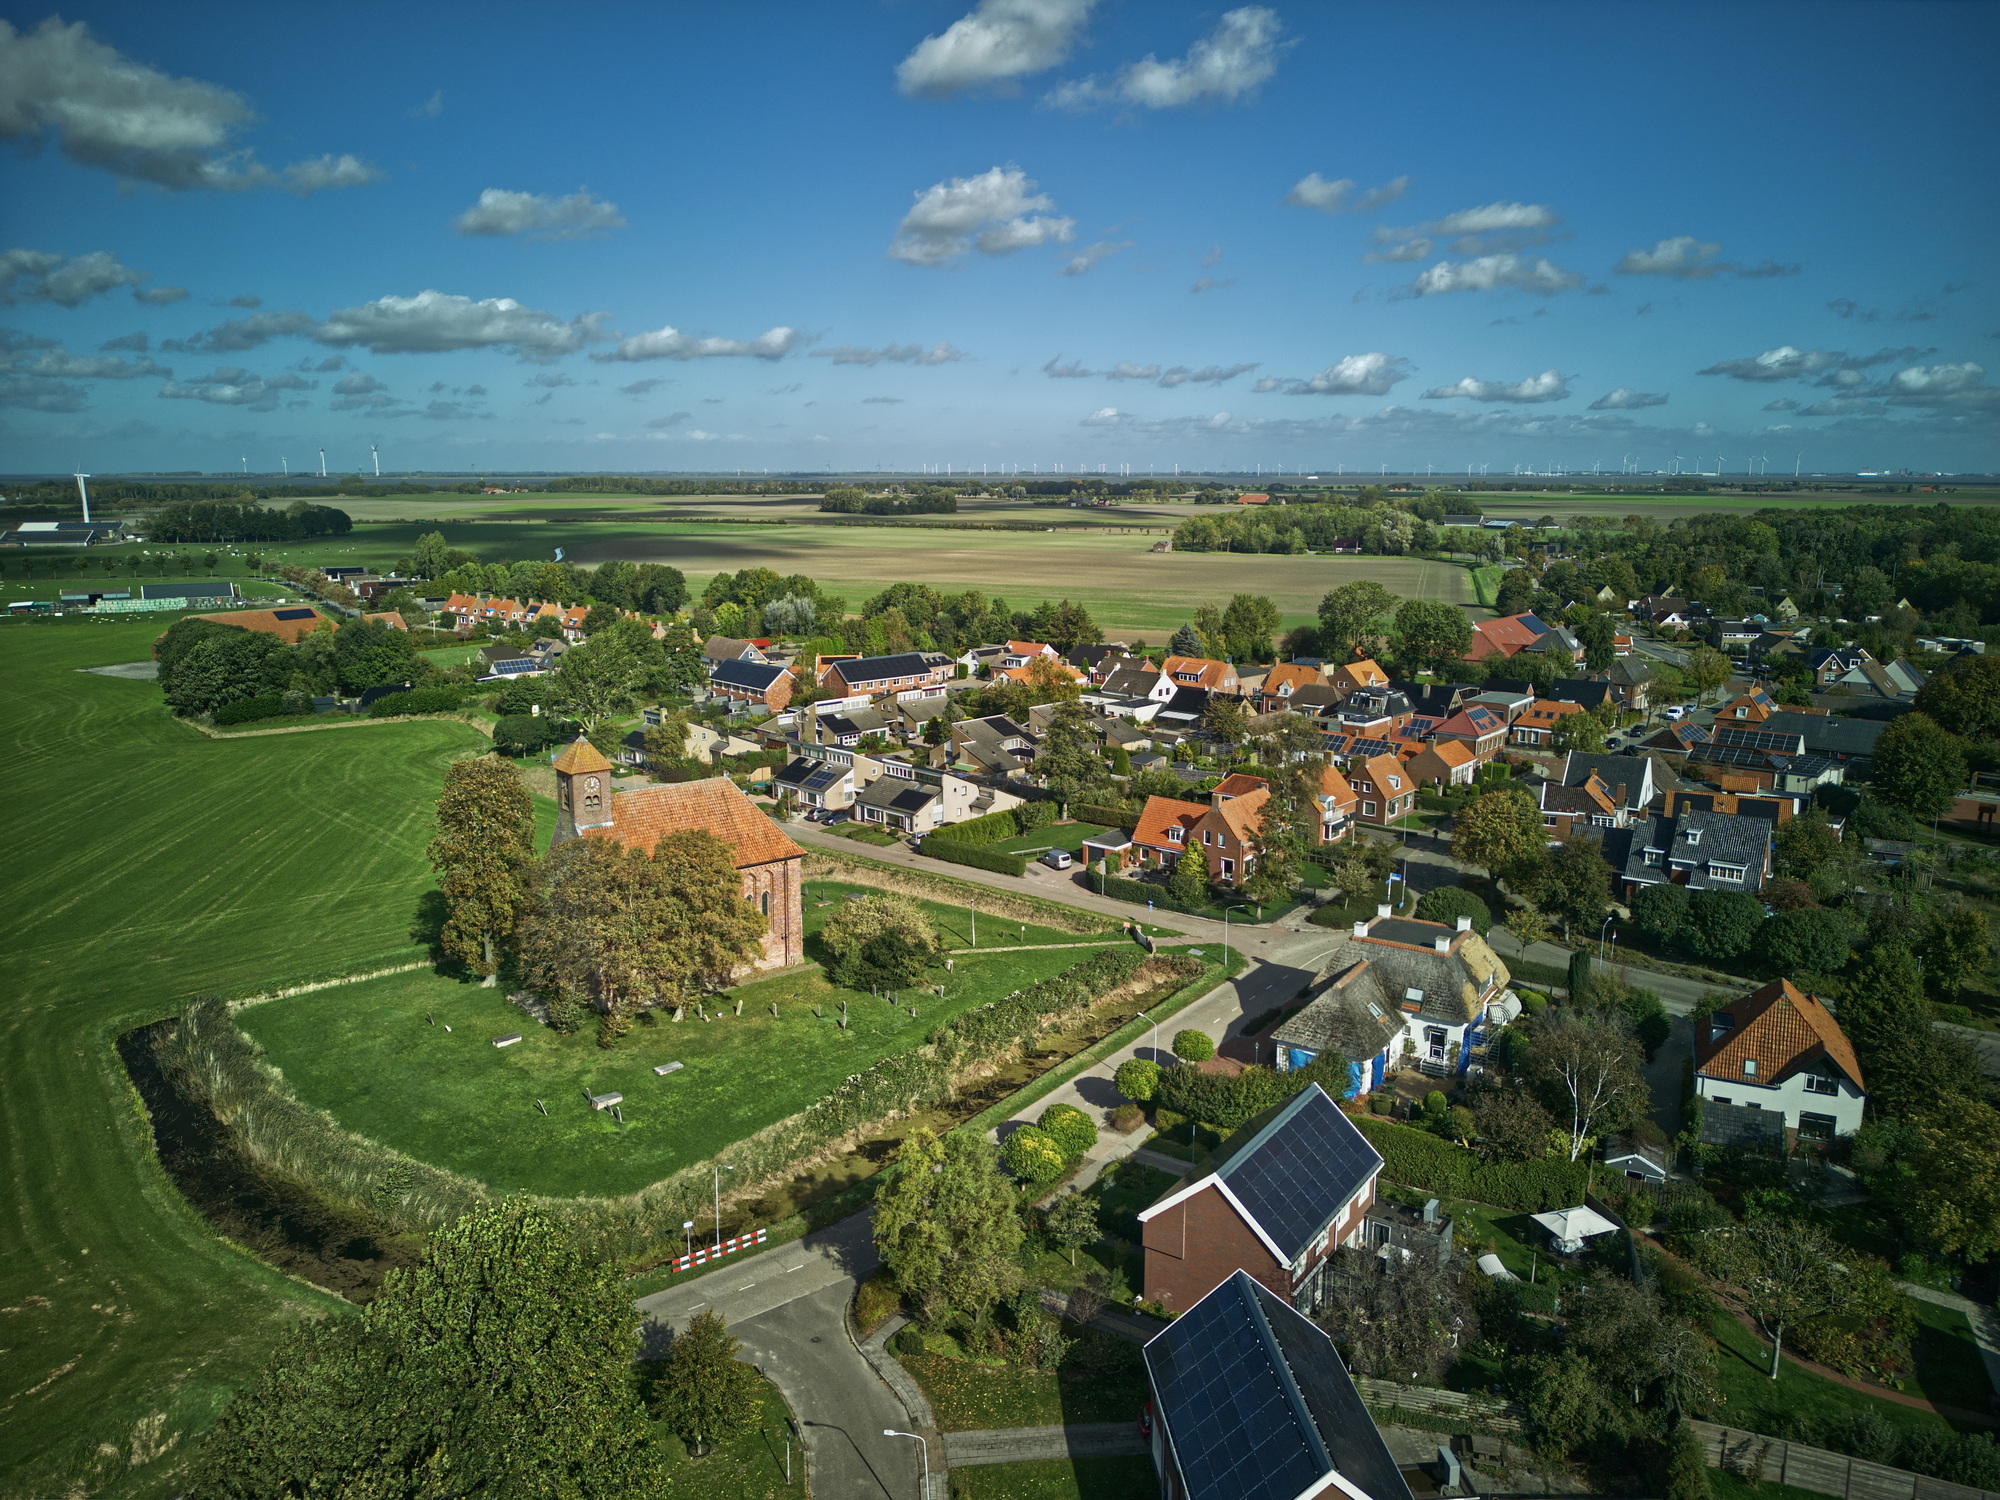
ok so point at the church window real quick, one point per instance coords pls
(765, 901)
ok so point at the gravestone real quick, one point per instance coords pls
(665, 1068)
(507, 1040)
(605, 1101)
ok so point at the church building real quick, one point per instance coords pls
(773, 880)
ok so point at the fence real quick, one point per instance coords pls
(1488, 1412)
(1755, 1456)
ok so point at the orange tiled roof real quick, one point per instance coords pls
(1026, 648)
(1162, 813)
(267, 622)
(578, 756)
(1783, 1029)
(1453, 753)
(1238, 784)
(1362, 672)
(1545, 711)
(1333, 784)
(641, 818)
(387, 617)
(1210, 673)
(1244, 814)
(1379, 768)
(1506, 635)
(1043, 666)
(1293, 674)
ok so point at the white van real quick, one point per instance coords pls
(1057, 859)
(1676, 712)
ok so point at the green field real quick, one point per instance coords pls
(1058, 1479)
(146, 863)
(376, 1056)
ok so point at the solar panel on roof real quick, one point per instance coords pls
(1757, 739)
(1729, 755)
(1296, 1178)
(292, 614)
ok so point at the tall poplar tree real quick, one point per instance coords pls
(483, 853)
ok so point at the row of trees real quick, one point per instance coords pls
(205, 665)
(925, 500)
(245, 521)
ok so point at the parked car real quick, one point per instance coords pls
(1676, 712)
(1057, 859)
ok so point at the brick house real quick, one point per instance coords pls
(1384, 789)
(873, 676)
(1225, 832)
(1746, 711)
(1338, 803)
(586, 807)
(759, 682)
(1535, 729)
(1481, 729)
(1444, 763)
(1778, 1049)
(1279, 1196)
(1285, 679)
(1179, 672)
(1359, 673)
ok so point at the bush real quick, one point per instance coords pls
(937, 846)
(524, 734)
(875, 1299)
(1105, 814)
(1661, 910)
(1032, 1156)
(907, 1341)
(249, 710)
(990, 829)
(1034, 815)
(1193, 1046)
(1139, 892)
(1070, 1128)
(1127, 1118)
(1534, 1002)
(442, 700)
(880, 941)
(1418, 1159)
(1137, 1078)
(1447, 903)
(1722, 924)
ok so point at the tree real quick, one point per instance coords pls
(1068, 762)
(1805, 845)
(1072, 1224)
(1581, 732)
(1033, 1155)
(1351, 615)
(1193, 1046)
(1528, 927)
(1431, 635)
(1447, 903)
(666, 743)
(1137, 1079)
(1722, 924)
(704, 1390)
(1686, 1475)
(1956, 945)
(1586, 1068)
(1208, 626)
(1963, 697)
(1185, 642)
(1707, 669)
(598, 678)
(1599, 640)
(1918, 766)
(880, 941)
(1512, 1124)
(1792, 1273)
(1498, 830)
(1661, 910)
(1407, 1323)
(1572, 885)
(1248, 625)
(1954, 1196)
(1812, 940)
(946, 1225)
(483, 854)
(1189, 882)
(498, 1366)
(1225, 719)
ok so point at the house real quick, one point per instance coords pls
(1535, 729)
(1161, 835)
(1823, 734)
(1583, 692)
(1098, 662)
(721, 648)
(1591, 803)
(387, 618)
(1374, 713)
(1629, 777)
(909, 718)
(1401, 993)
(1750, 708)
(903, 802)
(1285, 679)
(1830, 664)
(1316, 700)
(1507, 699)
(845, 727)
(1444, 763)
(1131, 679)
(873, 676)
(1338, 803)
(995, 745)
(1225, 831)
(1637, 1160)
(1780, 1051)
(1356, 674)
(818, 784)
(1704, 851)
(1384, 788)
(1396, 1233)
(1435, 700)
(1509, 635)
(1896, 681)
(1253, 499)
(1278, 1197)
(1182, 709)
(1776, 811)
(1179, 672)
(1481, 729)
(1042, 668)
(1631, 683)
(1665, 609)
(770, 863)
(1020, 653)
(761, 682)
(1677, 739)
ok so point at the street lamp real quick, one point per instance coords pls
(1144, 1016)
(1239, 906)
(719, 1170)
(1600, 933)
(687, 1228)
(891, 1432)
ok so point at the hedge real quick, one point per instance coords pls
(1140, 892)
(1099, 812)
(246, 710)
(1542, 974)
(1421, 1160)
(953, 852)
(416, 701)
(989, 829)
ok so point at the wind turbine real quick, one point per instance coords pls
(322, 463)
(378, 459)
(84, 492)
(286, 463)
(244, 459)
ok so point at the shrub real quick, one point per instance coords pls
(1812, 940)
(1138, 1078)
(907, 1341)
(1105, 814)
(1070, 1128)
(875, 1299)
(881, 941)
(1193, 1046)
(1139, 892)
(1534, 1002)
(1722, 924)
(1418, 1159)
(249, 710)
(997, 860)
(1661, 910)
(1032, 1156)
(1127, 1118)
(989, 829)
(524, 734)
(1447, 903)
(1034, 815)
(442, 700)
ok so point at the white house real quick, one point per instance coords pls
(1778, 1049)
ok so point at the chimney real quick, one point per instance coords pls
(1465, 924)
(1430, 1213)
(1383, 910)
(1361, 929)
(1443, 944)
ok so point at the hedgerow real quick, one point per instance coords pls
(990, 829)
(1419, 1159)
(998, 860)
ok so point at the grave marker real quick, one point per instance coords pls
(665, 1068)
(507, 1040)
(605, 1101)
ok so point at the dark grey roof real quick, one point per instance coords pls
(751, 676)
(1727, 838)
(1623, 773)
(1739, 1125)
(1186, 703)
(1347, 1016)
(1580, 691)
(894, 794)
(810, 775)
(1256, 1404)
(1826, 735)
(880, 668)
(1293, 1167)
(1130, 682)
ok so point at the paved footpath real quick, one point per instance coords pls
(1985, 1324)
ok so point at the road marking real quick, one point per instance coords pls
(746, 1286)
(698, 1307)
(799, 1267)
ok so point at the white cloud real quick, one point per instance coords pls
(1211, 284)
(1314, 191)
(997, 42)
(240, 334)
(435, 322)
(500, 211)
(1356, 375)
(896, 354)
(431, 108)
(1494, 217)
(1080, 263)
(357, 384)
(233, 386)
(1626, 399)
(1206, 375)
(159, 296)
(1788, 363)
(1106, 416)
(1417, 249)
(1550, 385)
(1493, 273)
(1959, 385)
(1167, 378)
(58, 364)
(1126, 370)
(1494, 229)
(1229, 62)
(105, 110)
(671, 343)
(1686, 258)
(45, 276)
(1783, 403)
(996, 213)
(1074, 370)
(1268, 384)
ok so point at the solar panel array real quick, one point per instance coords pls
(1731, 755)
(292, 614)
(1335, 1406)
(1235, 1429)
(1370, 748)
(1759, 739)
(1294, 1178)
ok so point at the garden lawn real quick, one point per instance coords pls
(1068, 836)
(1129, 1478)
(967, 1396)
(370, 1056)
(1724, 1485)
(1760, 1404)
(147, 863)
(748, 1466)
(1949, 1369)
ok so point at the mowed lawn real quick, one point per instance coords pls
(145, 863)
(378, 1057)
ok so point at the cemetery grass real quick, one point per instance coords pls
(146, 864)
(367, 1054)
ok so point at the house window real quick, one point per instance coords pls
(1724, 1099)
(765, 902)
(1367, 809)
(1726, 872)
(1204, 838)
(1174, 835)
(1228, 866)
(1818, 1085)
(1817, 1127)
(1749, 1067)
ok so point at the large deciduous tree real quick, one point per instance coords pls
(1964, 697)
(1918, 766)
(484, 855)
(880, 941)
(1791, 1272)
(1586, 1068)
(1498, 830)
(703, 1389)
(1410, 1322)
(947, 1227)
(1431, 635)
(1068, 762)
(499, 1366)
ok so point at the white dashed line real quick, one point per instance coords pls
(746, 1286)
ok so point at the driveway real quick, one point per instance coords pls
(788, 1306)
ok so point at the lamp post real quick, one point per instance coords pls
(1147, 1016)
(1601, 926)
(687, 1228)
(1239, 906)
(719, 1170)
(925, 1493)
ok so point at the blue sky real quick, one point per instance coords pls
(1019, 232)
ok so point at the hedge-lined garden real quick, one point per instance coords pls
(997, 860)
(1419, 1159)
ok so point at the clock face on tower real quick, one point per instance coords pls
(590, 783)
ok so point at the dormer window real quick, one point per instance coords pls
(1692, 835)
(1175, 835)
(1720, 1025)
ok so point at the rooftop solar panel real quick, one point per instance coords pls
(1294, 1174)
(291, 614)
(1758, 739)
(1371, 748)
(1335, 1406)
(1729, 755)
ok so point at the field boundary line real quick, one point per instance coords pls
(326, 984)
(247, 734)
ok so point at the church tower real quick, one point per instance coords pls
(583, 790)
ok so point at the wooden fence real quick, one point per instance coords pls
(1755, 1456)
(1487, 1412)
